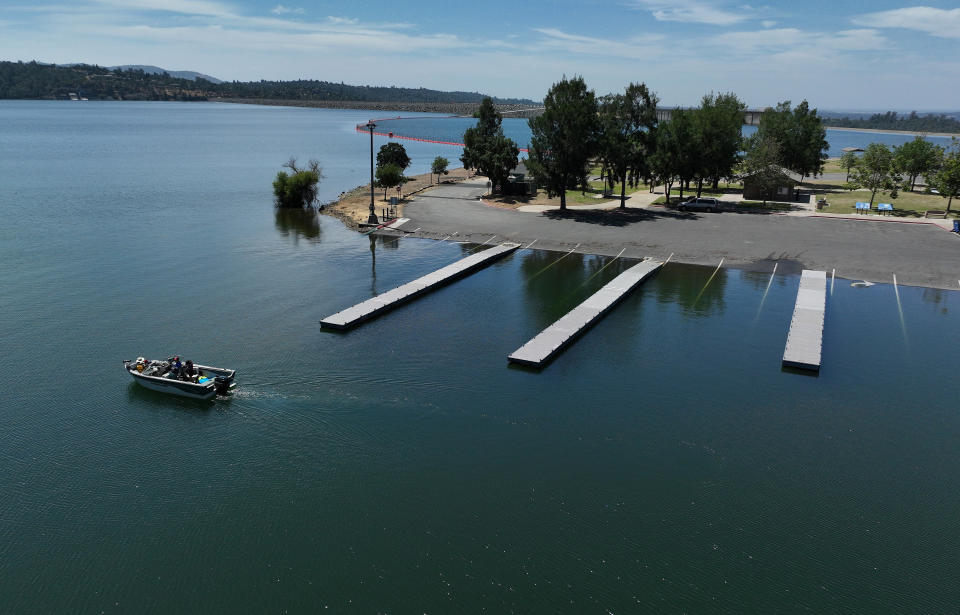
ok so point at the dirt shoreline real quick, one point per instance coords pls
(353, 206)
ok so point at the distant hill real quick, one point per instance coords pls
(53, 82)
(50, 81)
(179, 74)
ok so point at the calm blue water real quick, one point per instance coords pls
(452, 128)
(663, 463)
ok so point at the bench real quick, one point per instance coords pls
(935, 214)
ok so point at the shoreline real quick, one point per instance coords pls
(895, 132)
(456, 109)
(353, 206)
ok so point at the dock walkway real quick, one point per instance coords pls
(539, 350)
(805, 340)
(375, 306)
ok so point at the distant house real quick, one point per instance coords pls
(782, 191)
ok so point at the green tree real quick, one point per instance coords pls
(946, 179)
(627, 134)
(299, 188)
(720, 120)
(486, 149)
(438, 168)
(801, 135)
(877, 170)
(848, 161)
(677, 157)
(564, 137)
(393, 153)
(762, 163)
(917, 157)
(389, 176)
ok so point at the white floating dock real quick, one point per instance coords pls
(374, 306)
(805, 340)
(557, 336)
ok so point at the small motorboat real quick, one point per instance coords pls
(160, 376)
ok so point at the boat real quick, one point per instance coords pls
(157, 375)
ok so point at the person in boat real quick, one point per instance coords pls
(176, 367)
(189, 372)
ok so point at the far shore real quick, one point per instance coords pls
(897, 132)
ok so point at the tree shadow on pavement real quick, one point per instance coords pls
(617, 217)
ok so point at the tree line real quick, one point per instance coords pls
(43, 81)
(898, 168)
(622, 134)
(49, 81)
(891, 120)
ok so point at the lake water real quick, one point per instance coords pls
(450, 129)
(663, 463)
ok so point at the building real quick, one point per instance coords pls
(781, 190)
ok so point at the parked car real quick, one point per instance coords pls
(700, 204)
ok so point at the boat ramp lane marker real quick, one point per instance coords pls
(375, 306)
(527, 247)
(398, 223)
(542, 348)
(805, 339)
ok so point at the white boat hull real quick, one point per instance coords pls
(150, 379)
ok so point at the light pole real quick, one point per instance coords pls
(372, 219)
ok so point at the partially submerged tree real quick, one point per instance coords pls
(564, 137)
(487, 149)
(393, 153)
(299, 188)
(627, 137)
(877, 170)
(917, 157)
(438, 168)
(946, 180)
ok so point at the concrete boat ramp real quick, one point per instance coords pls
(542, 348)
(805, 340)
(375, 306)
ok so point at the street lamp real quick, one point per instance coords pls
(372, 219)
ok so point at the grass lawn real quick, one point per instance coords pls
(832, 165)
(906, 205)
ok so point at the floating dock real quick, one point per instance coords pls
(542, 348)
(375, 306)
(805, 340)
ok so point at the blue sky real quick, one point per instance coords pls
(838, 55)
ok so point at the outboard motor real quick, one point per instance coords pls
(221, 384)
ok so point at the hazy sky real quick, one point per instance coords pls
(874, 55)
